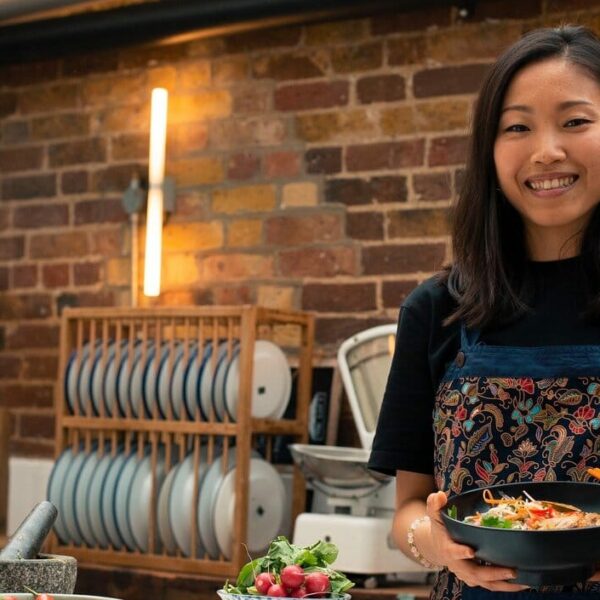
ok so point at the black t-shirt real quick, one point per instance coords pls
(424, 348)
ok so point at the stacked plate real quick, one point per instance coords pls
(105, 500)
(174, 379)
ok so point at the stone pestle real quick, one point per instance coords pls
(27, 540)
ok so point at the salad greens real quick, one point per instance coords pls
(315, 558)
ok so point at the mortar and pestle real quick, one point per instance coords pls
(23, 569)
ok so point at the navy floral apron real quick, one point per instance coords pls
(510, 414)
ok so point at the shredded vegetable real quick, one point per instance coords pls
(530, 514)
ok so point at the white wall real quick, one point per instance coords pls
(28, 478)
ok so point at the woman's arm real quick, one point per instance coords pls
(416, 497)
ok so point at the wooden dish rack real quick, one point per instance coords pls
(198, 326)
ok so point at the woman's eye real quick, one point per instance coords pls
(577, 122)
(517, 127)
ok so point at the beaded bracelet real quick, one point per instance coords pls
(410, 536)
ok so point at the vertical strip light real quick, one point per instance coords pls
(154, 216)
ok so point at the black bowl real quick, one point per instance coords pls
(557, 557)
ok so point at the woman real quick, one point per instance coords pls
(492, 346)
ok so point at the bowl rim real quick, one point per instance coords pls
(326, 595)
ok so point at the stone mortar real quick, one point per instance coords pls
(50, 573)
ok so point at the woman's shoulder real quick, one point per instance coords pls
(430, 300)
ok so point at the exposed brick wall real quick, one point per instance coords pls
(315, 169)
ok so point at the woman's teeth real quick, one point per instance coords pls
(551, 184)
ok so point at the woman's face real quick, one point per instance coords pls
(547, 154)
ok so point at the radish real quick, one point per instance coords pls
(292, 576)
(316, 583)
(263, 582)
(276, 590)
(299, 592)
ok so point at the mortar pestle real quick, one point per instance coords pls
(21, 565)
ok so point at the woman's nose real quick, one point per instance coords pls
(548, 149)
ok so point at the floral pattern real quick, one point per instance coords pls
(491, 430)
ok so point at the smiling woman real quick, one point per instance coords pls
(503, 348)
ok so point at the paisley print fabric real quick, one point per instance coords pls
(491, 430)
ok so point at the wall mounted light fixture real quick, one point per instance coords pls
(160, 198)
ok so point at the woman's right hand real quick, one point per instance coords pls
(458, 558)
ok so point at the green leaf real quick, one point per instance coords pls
(453, 512)
(325, 551)
(494, 521)
(248, 572)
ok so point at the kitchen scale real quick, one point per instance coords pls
(352, 506)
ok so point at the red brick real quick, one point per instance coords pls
(448, 151)
(33, 336)
(100, 211)
(393, 293)
(10, 367)
(20, 74)
(8, 104)
(25, 306)
(24, 276)
(392, 259)
(318, 262)
(357, 57)
(87, 273)
(258, 39)
(48, 98)
(60, 126)
(432, 186)
(340, 297)
(4, 219)
(32, 448)
(4, 277)
(380, 88)
(287, 66)
(465, 79)
(40, 367)
(411, 20)
(145, 56)
(323, 160)
(303, 229)
(26, 396)
(28, 186)
(417, 223)
(365, 225)
(307, 96)
(281, 164)
(334, 331)
(12, 247)
(233, 295)
(108, 242)
(385, 155)
(14, 132)
(55, 275)
(77, 152)
(83, 299)
(41, 215)
(36, 425)
(74, 182)
(130, 146)
(244, 165)
(116, 178)
(69, 244)
(184, 139)
(407, 50)
(23, 158)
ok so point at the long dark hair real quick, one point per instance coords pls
(488, 277)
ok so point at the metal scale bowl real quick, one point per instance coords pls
(353, 506)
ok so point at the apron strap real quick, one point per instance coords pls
(468, 337)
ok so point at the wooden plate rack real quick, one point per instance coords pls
(78, 427)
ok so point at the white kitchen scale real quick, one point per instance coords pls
(352, 506)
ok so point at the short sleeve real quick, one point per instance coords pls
(404, 435)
